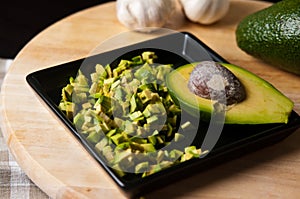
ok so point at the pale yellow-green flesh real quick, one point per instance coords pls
(263, 103)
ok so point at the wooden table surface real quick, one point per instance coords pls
(59, 165)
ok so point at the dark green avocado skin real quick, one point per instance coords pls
(273, 35)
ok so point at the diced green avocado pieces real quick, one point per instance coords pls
(141, 167)
(128, 116)
(93, 137)
(273, 35)
(263, 103)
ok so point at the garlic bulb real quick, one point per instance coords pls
(205, 11)
(148, 15)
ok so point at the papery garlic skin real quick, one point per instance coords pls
(177, 18)
(205, 11)
(145, 15)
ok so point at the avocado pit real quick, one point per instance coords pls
(210, 80)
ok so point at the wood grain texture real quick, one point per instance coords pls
(58, 164)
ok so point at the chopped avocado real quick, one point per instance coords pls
(141, 167)
(148, 147)
(190, 152)
(263, 103)
(273, 35)
(175, 154)
(178, 137)
(127, 115)
(94, 137)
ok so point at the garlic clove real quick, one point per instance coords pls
(205, 11)
(148, 15)
(177, 17)
(135, 14)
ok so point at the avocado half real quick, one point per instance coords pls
(263, 104)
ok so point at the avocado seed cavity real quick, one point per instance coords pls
(211, 80)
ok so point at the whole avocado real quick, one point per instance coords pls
(273, 35)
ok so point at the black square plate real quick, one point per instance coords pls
(177, 49)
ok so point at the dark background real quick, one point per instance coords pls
(22, 20)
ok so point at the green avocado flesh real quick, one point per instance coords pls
(128, 118)
(263, 103)
(273, 35)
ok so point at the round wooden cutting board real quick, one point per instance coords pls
(55, 160)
